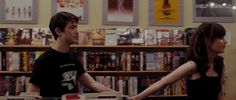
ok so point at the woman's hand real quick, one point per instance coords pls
(133, 98)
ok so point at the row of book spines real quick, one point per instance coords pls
(120, 36)
(17, 61)
(127, 61)
(11, 85)
(19, 36)
(133, 61)
(134, 85)
(128, 36)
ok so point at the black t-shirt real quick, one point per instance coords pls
(56, 73)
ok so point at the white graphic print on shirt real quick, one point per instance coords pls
(69, 79)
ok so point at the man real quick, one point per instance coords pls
(56, 71)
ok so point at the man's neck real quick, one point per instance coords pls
(61, 47)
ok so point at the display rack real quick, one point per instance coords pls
(81, 48)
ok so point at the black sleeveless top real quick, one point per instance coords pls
(204, 88)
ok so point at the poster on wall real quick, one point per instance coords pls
(18, 11)
(166, 12)
(213, 11)
(77, 7)
(120, 12)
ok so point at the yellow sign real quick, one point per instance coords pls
(166, 11)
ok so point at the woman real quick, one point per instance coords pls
(203, 69)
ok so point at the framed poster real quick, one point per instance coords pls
(166, 12)
(77, 7)
(120, 12)
(213, 11)
(18, 11)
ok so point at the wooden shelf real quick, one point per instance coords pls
(130, 48)
(23, 48)
(97, 73)
(96, 48)
(128, 73)
(15, 73)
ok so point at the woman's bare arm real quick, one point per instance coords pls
(181, 72)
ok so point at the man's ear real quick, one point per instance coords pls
(58, 31)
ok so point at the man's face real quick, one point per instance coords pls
(70, 33)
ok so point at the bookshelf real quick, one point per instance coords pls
(95, 48)
(100, 73)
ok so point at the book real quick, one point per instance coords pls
(110, 37)
(150, 61)
(150, 37)
(135, 61)
(0, 61)
(3, 61)
(137, 36)
(163, 37)
(160, 61)
(123, 36)
(24, 36)
(23, 96)
(71, 96)
(48, 38)
(13, 61)
(85, 37)
(103, 96)
(11, 36)
(24, 61)
(98, 36)
(38, 35)
(20, 98)
(12, 86)
(3, 34)
(178, 37)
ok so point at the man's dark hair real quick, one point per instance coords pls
(60, 20)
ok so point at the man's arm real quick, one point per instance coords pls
(88, 81)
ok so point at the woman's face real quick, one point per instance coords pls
(218, 45)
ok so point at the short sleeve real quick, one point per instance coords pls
(80, 68)
(37, 74)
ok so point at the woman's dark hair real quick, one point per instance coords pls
(60, 20)
(202, 39)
